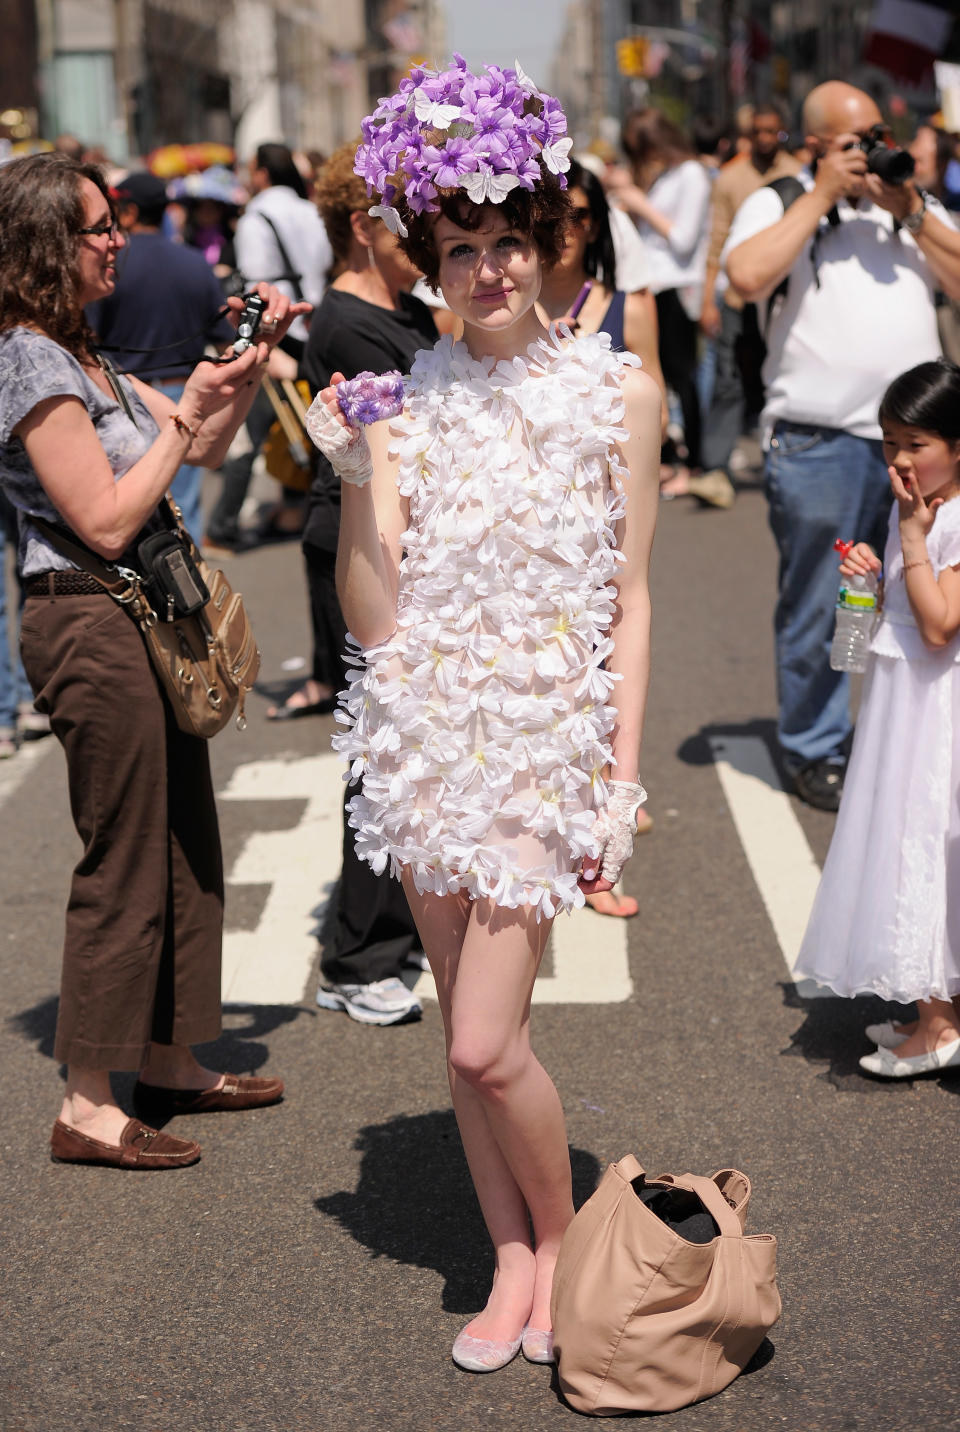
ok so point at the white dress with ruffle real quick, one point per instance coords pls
(481, 728)
(886, 919)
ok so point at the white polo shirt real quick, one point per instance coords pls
(833, 349)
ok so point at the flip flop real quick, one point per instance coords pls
(306, 708)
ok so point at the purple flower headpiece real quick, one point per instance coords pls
(370, 397)
(485, 134)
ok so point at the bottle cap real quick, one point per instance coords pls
(842, 547)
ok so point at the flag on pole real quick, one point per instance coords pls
(906, 36)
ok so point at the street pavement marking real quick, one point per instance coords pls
(271, 964)
(15, 770)
(776, 848)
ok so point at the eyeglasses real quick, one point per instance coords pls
(98, 231)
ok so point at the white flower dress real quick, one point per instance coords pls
(480, 728)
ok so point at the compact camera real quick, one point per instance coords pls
(892, 165)
(249, 322)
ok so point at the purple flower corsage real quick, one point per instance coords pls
(370, 397)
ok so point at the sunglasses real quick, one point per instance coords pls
(98, 231)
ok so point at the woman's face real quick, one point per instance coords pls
(490, 277)
(581, 232)
(97, 252)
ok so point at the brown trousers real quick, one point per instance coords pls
(141, 958)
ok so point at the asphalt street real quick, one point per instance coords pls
(311, 1272)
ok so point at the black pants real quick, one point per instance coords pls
(373, 930)
(678, 359)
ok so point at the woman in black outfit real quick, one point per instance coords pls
(367, 320)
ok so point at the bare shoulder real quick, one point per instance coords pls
(641, 395)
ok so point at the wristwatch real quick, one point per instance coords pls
(914, 222)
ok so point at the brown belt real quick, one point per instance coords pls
(62, 584)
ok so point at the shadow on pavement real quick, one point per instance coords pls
(238, 1050)
(695, 750)
(414, 1203)
(832, 1034)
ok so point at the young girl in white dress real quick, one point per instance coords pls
(492, 569)
(886, 919)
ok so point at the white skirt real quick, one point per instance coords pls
(886, 919)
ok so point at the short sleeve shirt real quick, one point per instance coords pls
(33, 368)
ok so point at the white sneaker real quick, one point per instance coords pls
(888, 1064)
(382, 1002)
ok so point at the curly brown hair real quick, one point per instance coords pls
(544, 215)
(41, 209)
(339, 193)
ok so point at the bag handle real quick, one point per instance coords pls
(628, 1168)
(724, 1214)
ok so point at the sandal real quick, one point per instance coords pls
(293, 709)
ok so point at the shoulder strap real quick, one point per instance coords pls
(111, 578)
(112, 377)
(788, 189)
(290, 274)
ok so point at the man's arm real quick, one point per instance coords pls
(757, 265)
(936, 238)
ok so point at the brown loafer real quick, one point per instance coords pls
(139, 1147)
(237, 1092)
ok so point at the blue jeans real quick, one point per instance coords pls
(14, 686)
(821, 484)
(188, 480)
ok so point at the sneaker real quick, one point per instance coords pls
(383, 1002)
(31, 725)
(713, 488)
(820, 784)
(8, 742)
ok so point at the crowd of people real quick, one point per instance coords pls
(584, 338)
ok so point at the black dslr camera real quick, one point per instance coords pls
(892, 165)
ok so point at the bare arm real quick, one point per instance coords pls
(938, 242)
(73, 469)
(631, 623)
(756, 266)
(373, 518)
(641, 335)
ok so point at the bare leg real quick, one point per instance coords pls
(937, 1024)
(485, 960)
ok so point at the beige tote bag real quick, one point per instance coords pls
(645, 1319)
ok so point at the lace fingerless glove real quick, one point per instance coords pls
(346, 449)
(616, 826)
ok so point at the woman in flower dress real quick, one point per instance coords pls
(492, 567)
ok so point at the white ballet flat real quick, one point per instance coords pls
(483, 1354)
(888, 1065)
(885, 1035)
(537, 1345)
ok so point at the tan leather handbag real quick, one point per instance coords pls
(659, 1300)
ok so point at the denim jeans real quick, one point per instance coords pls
(14, 686)
(821, 484)
(188, 481)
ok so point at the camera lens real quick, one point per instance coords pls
(893, 166)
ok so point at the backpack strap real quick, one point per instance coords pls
(788, 190)
(289, 274)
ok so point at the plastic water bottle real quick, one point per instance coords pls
(856, 614)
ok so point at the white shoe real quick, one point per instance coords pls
(888, 1065)
(382, 1002)
(483, 1354)
(885, 1035)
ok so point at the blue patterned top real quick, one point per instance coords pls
(32, 368)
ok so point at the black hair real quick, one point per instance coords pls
(599, 259)
(710, 135)
(277, 160)
(926, 397)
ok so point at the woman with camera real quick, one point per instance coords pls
(141, 965)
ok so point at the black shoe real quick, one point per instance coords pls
(820, 784)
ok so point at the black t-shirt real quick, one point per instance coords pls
(166, 294)
(350, 336)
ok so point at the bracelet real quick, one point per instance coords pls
(183, 427)
(920, 562)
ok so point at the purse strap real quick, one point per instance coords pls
(724, 1215)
